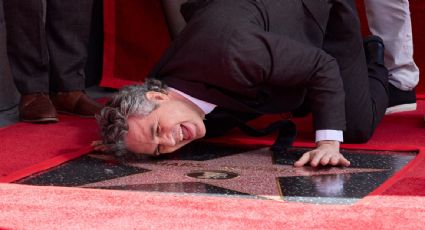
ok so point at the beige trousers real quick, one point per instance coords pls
(390, 19)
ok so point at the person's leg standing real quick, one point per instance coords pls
(28, 56)
(365, 92)
(391, 20)
(8, 94)
(68, 31)
(26, 45)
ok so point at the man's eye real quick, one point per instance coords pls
(158, 129)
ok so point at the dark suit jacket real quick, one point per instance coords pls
(258, 57)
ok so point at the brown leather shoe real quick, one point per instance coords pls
(75, 102)
(37, 108)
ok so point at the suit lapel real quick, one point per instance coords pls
(319, 9)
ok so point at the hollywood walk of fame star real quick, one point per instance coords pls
(257, 174)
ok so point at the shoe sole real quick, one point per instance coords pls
(75, 114)
(401, 108)
(42, 120)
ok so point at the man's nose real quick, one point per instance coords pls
(167, 140)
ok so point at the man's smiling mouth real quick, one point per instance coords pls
(185, 133)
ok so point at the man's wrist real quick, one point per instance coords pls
(329, 134)
(330, 142)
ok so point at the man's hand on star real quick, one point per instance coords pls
(326, 153)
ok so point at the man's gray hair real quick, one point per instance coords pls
(129, 101)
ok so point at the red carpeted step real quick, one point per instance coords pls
(32, 207)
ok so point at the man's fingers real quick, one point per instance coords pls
(102, 148)
(325, 159)
(303, 160)
(339, 160)
(96, 143)
(344, 162)
(99, 146)
(316, 158)
(319, 157)
(334, 160)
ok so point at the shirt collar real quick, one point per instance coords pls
(206, 107)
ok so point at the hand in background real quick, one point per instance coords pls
(99, 146)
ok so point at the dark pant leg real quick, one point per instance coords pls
(26, 45)
(68, 30)
(175, 20)
(365, 92)
(8, 94)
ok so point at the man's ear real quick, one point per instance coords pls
(156, 96)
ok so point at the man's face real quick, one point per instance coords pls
(167, 128)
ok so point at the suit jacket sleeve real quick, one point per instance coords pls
(278, 60)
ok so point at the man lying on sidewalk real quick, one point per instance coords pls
(236, 60)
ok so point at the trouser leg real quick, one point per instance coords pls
(68, 30)
(26, 45)
(365, 92)
(8, 93)
(391, 20)
(174, 18)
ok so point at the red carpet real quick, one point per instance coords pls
(129, 54)
(28, 207)
(28, 148)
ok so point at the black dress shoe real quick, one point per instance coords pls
(400, 100)
(374, 49)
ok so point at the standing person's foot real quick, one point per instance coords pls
(75, 102)
(374, 49)
(37, 108)
(400, 100)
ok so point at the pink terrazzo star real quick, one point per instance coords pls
(257, 173)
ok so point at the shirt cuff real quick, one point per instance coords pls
(329, 135)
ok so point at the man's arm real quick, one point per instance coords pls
(282, 62)
(291, 64)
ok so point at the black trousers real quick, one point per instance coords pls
(8, 94)
(47, 43)
(365, 84)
